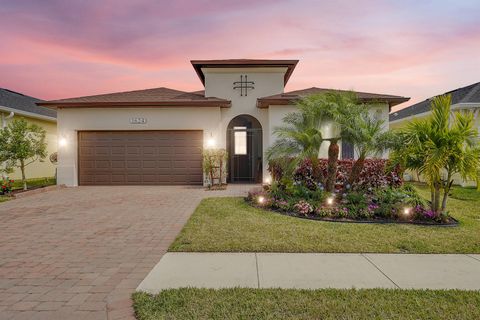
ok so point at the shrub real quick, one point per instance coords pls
(303, 207)
(6, 187)
(376, 173)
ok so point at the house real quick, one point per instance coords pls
(156, 136)
(14, 105)
(465, 98)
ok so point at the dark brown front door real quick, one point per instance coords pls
(140, 157)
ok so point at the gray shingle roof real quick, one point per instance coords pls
(468, 94)
(21, 102)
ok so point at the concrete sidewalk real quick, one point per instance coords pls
(314, 271)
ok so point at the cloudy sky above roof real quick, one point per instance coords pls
(54, 49)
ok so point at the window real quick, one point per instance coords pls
(240, 142)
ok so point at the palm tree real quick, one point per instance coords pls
(339, 108)
(299, 138)
(439, 147)
(369, 138)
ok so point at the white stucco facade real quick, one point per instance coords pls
(213, 121)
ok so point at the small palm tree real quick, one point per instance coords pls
(340, 108)
(369, 139)
(439, 147)
(299, 138)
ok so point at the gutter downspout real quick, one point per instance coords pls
(4, 119)
(4, 124)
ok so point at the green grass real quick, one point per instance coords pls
(231, 225)
(4, 198)
(304, 304)
(46, 181)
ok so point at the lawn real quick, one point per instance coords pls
(36, 182)
(31, 183)
(304, 304)
(231, 225)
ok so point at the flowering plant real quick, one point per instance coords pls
(6, 186)
(303, 207)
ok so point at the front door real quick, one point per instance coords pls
(245, 152)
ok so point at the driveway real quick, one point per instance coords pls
(79, 253)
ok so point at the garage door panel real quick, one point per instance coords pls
(140, 157)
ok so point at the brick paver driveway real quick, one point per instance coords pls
(79, 253)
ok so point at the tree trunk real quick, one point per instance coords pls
(436, 198)
(446, 191)
(333, 151)
(22, 168)
(356, 170)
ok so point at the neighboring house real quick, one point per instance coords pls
(16, 105)
(155, 136)
(465, 98)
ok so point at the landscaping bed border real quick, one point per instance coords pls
(454, 223)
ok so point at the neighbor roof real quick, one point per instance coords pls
(243, 63)
(20, 103)
(144, 98)
(290, 97)
(468, 94)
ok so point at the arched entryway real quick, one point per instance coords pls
(244, 146)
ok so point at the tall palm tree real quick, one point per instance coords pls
(439, 147)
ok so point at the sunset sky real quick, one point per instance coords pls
(57, 48)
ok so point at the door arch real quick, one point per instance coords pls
(245, 150)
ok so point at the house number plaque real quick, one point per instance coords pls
(138, 120)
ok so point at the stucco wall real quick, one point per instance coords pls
(70, 121)
(268, 81)
(40, 169)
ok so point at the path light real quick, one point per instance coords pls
(261, 199)
(406, 211)
(62, 142)
(329, 201)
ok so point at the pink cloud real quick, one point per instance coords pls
(57, 49)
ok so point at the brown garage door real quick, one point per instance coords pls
(140, 157)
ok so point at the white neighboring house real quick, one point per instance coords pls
(156, 136)
(464, 98)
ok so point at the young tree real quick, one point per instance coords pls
(21, 144)
(439, 147)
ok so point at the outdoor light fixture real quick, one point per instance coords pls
(62, 142)
(211, 143)
(261, 199)
(330, 201)
(268, 180)
(406, 211)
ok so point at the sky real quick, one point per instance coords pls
(53, 49)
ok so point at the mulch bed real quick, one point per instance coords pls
(452, 222)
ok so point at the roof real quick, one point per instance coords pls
(468, 94)
(155, 97)
(243, 63)
(23, 103)
(290, 97)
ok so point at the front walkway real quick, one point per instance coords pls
(314, 271)
(79, 253)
